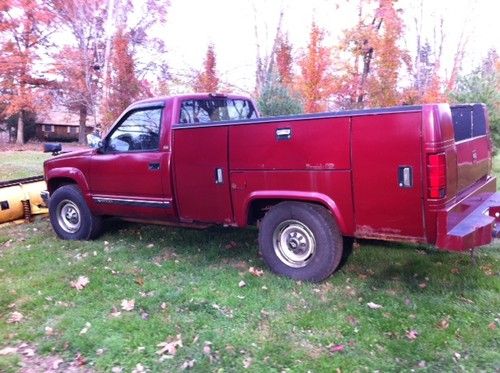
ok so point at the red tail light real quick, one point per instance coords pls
(436, 175)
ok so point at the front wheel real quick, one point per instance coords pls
(70, 216)
(301, 241)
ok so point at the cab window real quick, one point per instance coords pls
(215, 110)
(138, 131)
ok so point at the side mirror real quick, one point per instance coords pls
(93, 140)
(52, 147)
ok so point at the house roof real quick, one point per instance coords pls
(62, 118)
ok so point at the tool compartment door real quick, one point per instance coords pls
(387, 176)
(201, 174)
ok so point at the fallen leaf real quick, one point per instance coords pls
(373, 306)
(128, 305)
(170, 347)
(352, 320)
(28, 352)
(443, 324)
(455, 270)
(49, 331)
(15, 317)
(422, 364)
(257, 272)
(80, 360)
(231, 245)
(8, 351)
(139, 280)
(492, 325)
(85, 328)
(422, 285)
(336, 348)
(411, 335)
(115, 312)
(139, 368)
(207, 349)
(163, 306)
(188, 364)
(144, 315)
(247, 362)
(80, 283)
(56, 363)
(242, 284)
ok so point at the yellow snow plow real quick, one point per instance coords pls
(20, 199)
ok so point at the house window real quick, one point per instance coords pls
(48, 128)
(73, 129)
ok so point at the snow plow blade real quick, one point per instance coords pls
(20, 199)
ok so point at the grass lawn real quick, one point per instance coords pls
(18, 164)
(437, 311)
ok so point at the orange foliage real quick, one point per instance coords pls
(24, 26)
(316, 82)
(124, 87)
(207, 80)
(284, 60)
(371, 74)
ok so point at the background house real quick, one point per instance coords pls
(58, 125)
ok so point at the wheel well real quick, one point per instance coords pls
(259, 207)
(56, 183)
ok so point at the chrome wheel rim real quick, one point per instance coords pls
(68, 216)
(294, 243)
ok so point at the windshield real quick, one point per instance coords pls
(216, 110)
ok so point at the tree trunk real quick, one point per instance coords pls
(82, 135)
(20, 128)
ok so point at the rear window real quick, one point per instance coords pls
(468, 121)
(216, 110)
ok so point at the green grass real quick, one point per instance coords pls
(274, 323)
(19, 164)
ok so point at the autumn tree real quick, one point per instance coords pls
(124, 86)
(207, 80)
(315, 83)
(372, 72)
(284, 61)
(77, 64)
(25, 26)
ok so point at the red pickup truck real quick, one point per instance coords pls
(309, 182)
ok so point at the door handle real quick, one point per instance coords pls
(219, 176)
(155, 166)
(283, 134)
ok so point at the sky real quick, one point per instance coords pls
(230, 26)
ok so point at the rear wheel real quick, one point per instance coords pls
(301, 241)
(70, 216)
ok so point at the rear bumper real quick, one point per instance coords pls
(470, 222)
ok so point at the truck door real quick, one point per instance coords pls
(201, 173)
(130, 176)
(387, 175)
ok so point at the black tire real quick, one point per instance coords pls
(71, 217)
(301, 241)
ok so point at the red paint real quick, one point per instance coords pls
(392, 174)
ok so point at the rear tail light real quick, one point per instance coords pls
(436, 175)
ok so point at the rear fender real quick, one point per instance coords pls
(312, 197)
